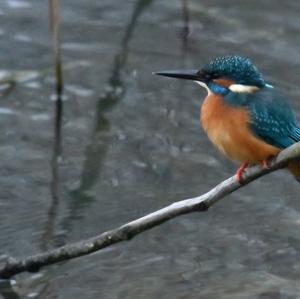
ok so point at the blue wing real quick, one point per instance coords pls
(272, 119)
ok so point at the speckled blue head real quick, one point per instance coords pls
(237, 68)
(240, 70)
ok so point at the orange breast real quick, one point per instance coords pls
(228, 128)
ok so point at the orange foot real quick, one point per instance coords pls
(266, 162)
(240, 172)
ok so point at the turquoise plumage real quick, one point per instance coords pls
(246, 118)
(271, 117)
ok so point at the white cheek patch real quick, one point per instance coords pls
(269, 85)
(240, 88)
(202, 84)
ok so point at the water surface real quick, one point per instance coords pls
(132, 144)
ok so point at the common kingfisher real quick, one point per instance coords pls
(244, 116)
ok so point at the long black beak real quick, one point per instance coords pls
(188, 75)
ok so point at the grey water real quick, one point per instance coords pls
(132, 144)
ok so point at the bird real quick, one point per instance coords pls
(246, 118)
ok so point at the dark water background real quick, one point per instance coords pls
(132, 144)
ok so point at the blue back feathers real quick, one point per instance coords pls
(271, 117)
(238, 68)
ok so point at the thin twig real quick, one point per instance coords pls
(55, 29)
(54, 15)
(127, 231)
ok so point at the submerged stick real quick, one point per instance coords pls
(12, 266)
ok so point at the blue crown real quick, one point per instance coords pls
(238, 68)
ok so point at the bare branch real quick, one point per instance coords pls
(11, 266)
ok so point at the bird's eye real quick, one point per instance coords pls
(214, 75)
(204, 75)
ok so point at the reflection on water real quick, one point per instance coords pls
(97, 148)
(54, 17)
(132, 144)
(186, 21)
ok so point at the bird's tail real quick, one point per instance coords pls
(294, 168)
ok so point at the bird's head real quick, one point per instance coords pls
(224, 74)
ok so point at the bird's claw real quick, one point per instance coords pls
(240, 171)
(266, 163)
